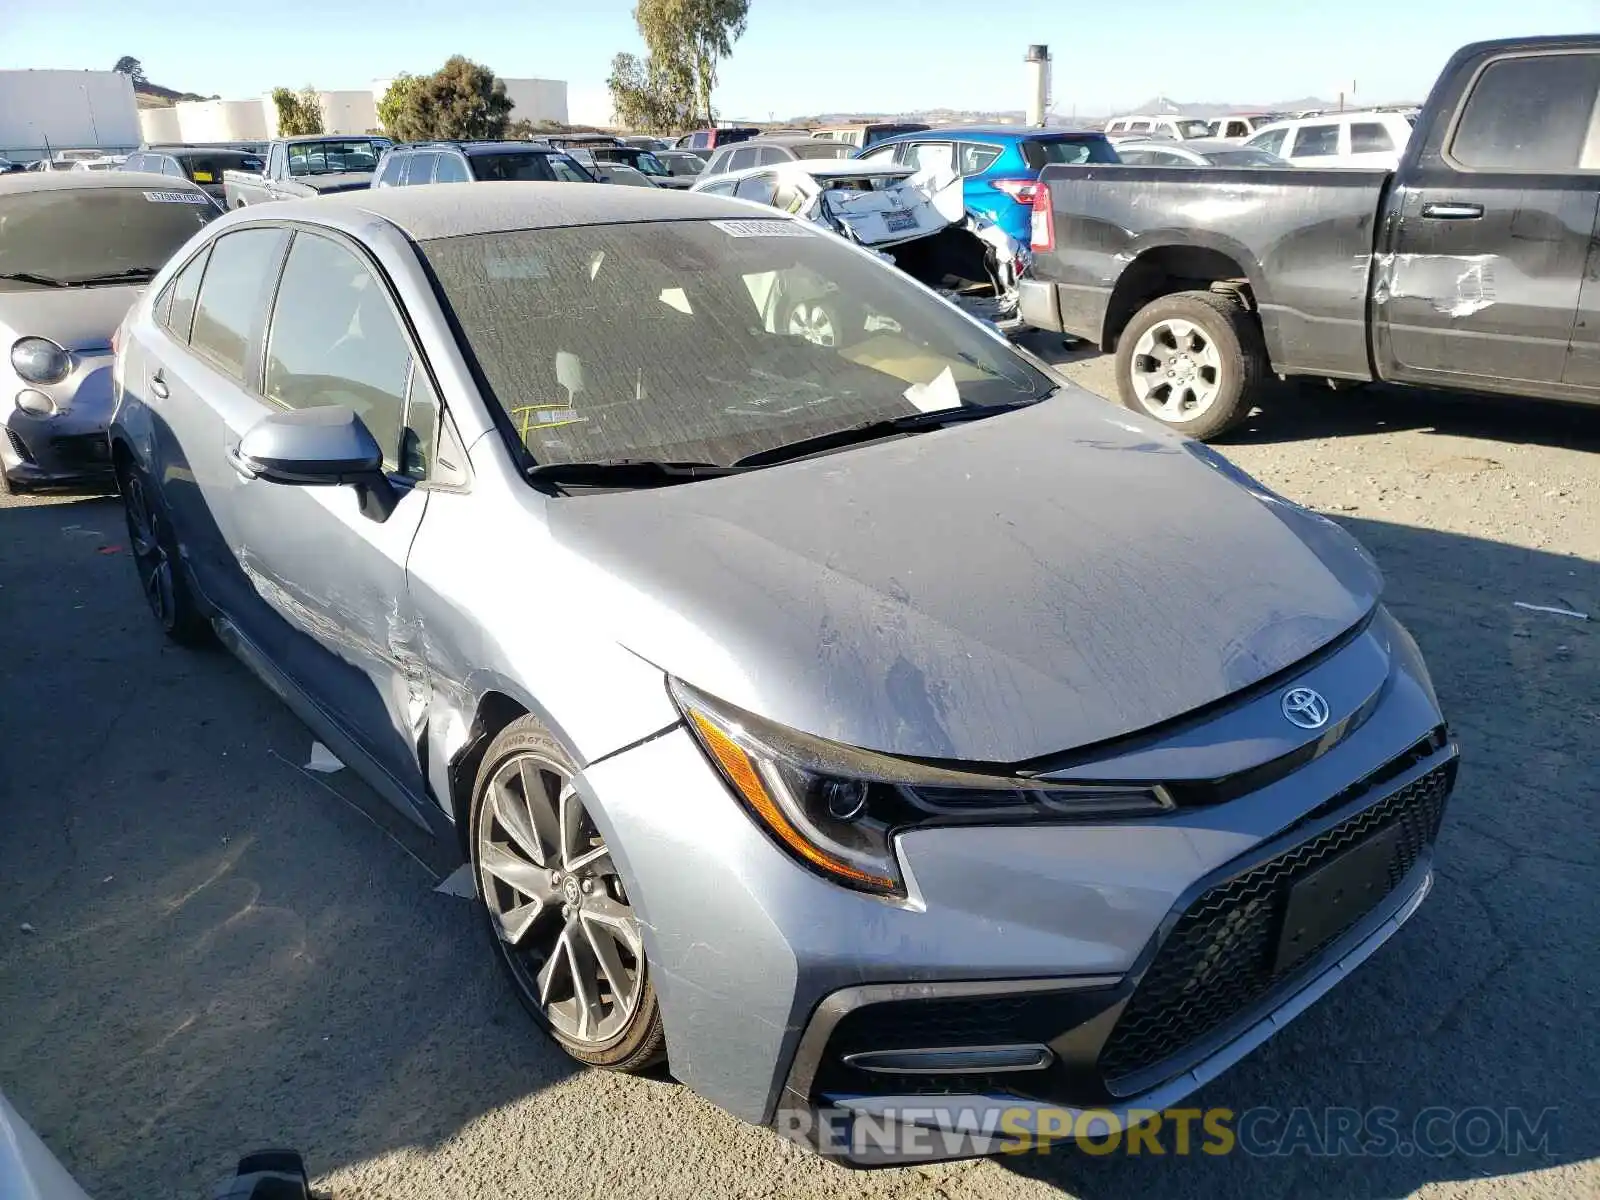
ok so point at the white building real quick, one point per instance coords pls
(66, 110)
(345, 112)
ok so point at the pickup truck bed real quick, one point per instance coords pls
(1474, 266)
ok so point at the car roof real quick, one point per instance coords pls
(333, 137)
(441, 210)
(67, 181)
(816, 168)
(1019, 132)
(1198, 145)
(477, 147)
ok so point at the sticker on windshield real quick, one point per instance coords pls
(758, 227)
(177, 198)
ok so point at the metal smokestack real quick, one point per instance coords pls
(1038, 63)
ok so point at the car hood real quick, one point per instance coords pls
(80, 318)
(1023, 585)
(346, 181)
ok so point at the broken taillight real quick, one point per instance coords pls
(1043, 234)
(1020, 190)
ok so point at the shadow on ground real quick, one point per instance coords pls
(222, 955)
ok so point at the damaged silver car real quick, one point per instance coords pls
(921, 227)
(883, 728)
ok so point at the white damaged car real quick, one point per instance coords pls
(911, 221)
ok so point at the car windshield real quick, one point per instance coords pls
(333, 158)
(1245, 156)
(1040, 152)
(94, 232)
(528, 166)
(649, 164)
(707, 341)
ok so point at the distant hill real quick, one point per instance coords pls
(153, 95)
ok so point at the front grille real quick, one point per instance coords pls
(19, 446)
(82, 450)
(1218, 960)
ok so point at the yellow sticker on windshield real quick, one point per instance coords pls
(204, 177)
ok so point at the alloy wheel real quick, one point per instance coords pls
(149, 551)
(813, 322)
(557, 903)
(1176, 370)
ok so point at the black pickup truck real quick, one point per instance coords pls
(1475, 265)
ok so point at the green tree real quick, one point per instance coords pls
(692, 36)
(131, 67)
(462, 99)
(651, 94)
(298, 113)
(393, 110)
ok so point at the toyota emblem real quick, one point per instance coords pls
(1305, 708)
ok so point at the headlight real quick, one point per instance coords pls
(836, 808)
(39, 360)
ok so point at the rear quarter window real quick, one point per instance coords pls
(1532, 113)
(1041, 152)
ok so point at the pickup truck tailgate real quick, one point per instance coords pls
(1304, 239)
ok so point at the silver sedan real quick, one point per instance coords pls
(76, 249)
(885, 732)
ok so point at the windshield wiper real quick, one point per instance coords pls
(131, 273)
(870, 431)
(626, 472)
(30, 277)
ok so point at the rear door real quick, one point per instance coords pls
(333, 609)
(1494, 230)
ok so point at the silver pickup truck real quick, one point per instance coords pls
(315, 165)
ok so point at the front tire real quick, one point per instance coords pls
(1194, 361)
(156, 558)
(557, 911)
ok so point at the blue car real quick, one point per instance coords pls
(999, 165)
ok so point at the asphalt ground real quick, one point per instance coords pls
(206, 949)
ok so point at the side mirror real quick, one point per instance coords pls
(317, 447)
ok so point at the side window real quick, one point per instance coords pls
(1535, 113)
(275, 163)
(1316, 141)
(933, 156)
(976, 158)
(1237, 129)
(1271, 141)
(759, 188)
(884, 154)
(175, 309)
(769, 155)
(419, 434)
(299, 159)
(1369, 137)
(335, 340)
(233, 295)
(1137, 158)
(450, 169)
(744, 157)
(389, 173)
(1138, 127)
(135, 162)
(788, 197)
(719, 189)
(171, 166)
(717, 164)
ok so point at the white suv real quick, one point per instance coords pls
(1358, 139)
(1140, 126)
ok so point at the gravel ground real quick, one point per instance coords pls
(204, 949)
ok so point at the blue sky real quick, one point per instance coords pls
(802, 56)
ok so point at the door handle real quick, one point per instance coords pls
(1452, 210)
(158, 385)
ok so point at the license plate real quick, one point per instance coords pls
(1335, 896)
(900, 221)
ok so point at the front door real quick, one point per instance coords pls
(1487, 253)
(333, 611)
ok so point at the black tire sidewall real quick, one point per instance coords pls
(188, 625)
(640, 1043)
(1229, 327)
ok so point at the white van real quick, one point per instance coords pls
(1353, 139)
(1178, 128)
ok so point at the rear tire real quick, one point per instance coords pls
(556, 910)
(1194, 361)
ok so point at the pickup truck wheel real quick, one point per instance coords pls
(1193, 361)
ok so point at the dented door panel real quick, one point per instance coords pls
(1479, 282)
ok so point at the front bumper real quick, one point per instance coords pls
(768, 976)
(72, 445)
